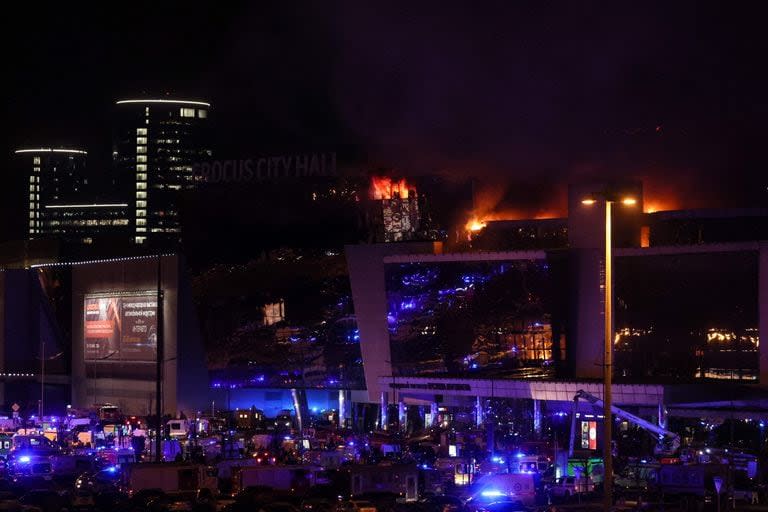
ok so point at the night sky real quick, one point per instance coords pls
(528, 95)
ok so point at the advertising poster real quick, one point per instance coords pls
(121, 327)
(589, 435)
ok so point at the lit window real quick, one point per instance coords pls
(141, 131)
(31, 188)
(141, 167)
(141, 213)
(146, 110)
(187, 112)
(141, 204)
(141, 186)
(141, 239)
(36, 169)
(141, 222)
(36, 160)
(31, 223)
(202, 113)
(141, 149)
(141, 176)
(31, 179)
(141, 230)
(31, 197)
(141, 195)
(141, 140)
(141, 158)
(31, 215)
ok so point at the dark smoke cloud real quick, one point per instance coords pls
(548, 94)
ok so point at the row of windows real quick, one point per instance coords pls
(87, 222)
(190, 112)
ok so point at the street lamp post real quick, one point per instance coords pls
(608, 350)
(43, 359)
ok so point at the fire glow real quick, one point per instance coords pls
(388, 188)
(474, 225)
(477, 222)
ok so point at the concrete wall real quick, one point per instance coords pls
(185, 380)
(585, 318)
(763, 311)
(366, 275)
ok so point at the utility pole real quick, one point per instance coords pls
(160, 358)
(42, 379)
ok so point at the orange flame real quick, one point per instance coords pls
(474, 225)
(478, 222)
(388, 188)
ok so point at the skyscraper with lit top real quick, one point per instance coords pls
(155, 144)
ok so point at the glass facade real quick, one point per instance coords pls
(687, 317)
(483, 319)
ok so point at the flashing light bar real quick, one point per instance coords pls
(51, 150)
(179, 102)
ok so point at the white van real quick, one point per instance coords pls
(516, 487)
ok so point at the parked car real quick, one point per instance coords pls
(83, 500)
(503, 506)
(355, 506)
(443, 504)
(568, 486)
(44, 500)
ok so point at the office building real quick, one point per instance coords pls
(156, 142)
(61, 203)
(524, 320)
(53, 176)
(97, 324)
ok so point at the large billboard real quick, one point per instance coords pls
(121, 327)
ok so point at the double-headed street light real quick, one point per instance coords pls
(608, 199)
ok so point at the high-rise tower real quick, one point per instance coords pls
(155, 144)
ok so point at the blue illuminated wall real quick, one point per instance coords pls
(475, 318)
(273, 401)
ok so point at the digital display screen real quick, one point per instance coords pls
(121, 327)
(589, 435)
